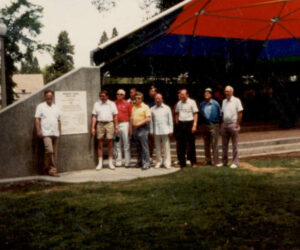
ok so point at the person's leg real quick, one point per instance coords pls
(191, 143)
(182, 138)
(166, 150)
(118, 147)
(48, 154)
(157, 141)
(55, 141)
(110, 131)
(138, 148)
(215, 143)
(235, 138)
(100, 137)
(150, 144)
(126, 142)
(207, 145)
(225, 142)
(143, 134)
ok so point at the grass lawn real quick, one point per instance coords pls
(256, 207)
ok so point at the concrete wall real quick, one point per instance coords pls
(21, 152)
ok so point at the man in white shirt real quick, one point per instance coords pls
(105, 116)
(186, 118)
(161, 125)
(231, 118)
(48, 127)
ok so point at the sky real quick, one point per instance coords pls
(85, 24)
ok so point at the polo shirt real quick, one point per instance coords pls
(49, 115)
(210, 111)
(230, 109)
(140, 113)
(124, 110)
(105, 111)
(161, 120)
(186, 110)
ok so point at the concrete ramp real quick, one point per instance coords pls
(21, 152)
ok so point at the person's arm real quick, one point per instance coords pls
(59, 127)
(176, 118)
(144, 122)
(195, 116)
(94, 121)
(240, 115)
(171, 125)
(194, 128)
(116, 124)
(151, 125)
(38, 127)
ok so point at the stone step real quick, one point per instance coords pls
(248, 144)
(246, 152)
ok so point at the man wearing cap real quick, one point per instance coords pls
(231, 119)
(211, 114)
(124, 113)
(186, 117)
(105, 116)
(140, 118)
(161, 126)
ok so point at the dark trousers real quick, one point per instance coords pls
(186, 137)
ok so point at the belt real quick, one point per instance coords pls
(186, 121)
(104, 121)
(123, 121)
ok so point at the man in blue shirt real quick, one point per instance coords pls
(211, 112)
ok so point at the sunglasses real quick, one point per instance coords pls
(119, 94)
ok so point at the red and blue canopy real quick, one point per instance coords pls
(245, 29)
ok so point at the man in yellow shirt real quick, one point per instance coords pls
(140, 117)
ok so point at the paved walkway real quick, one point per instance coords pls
(91, 175)
(123, 174)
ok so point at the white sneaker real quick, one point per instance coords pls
(118, 164)
(168, 167)
(176, 162)
(188, 162)
(220, 165)
(157, 165)
(99, 167)
(233, 166)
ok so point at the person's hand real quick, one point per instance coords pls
(93, 131)
(151, 134)
(194, 128)
(116, 131)
(39, 134)
(130, 132)
(170, 134)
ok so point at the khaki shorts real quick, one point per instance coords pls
(105, 130)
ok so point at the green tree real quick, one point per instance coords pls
(114, 32)
(103, 38)
(23, 25)
(30, 64)
(105, 5)
(62, 58)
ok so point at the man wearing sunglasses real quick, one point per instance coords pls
(140, 118)
(123, 144)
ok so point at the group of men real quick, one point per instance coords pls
(122, 121)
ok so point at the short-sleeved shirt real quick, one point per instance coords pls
(49, 115)
(140, 113)
(186, 110)
(105, 111)
(124, 110)
(230, 109)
